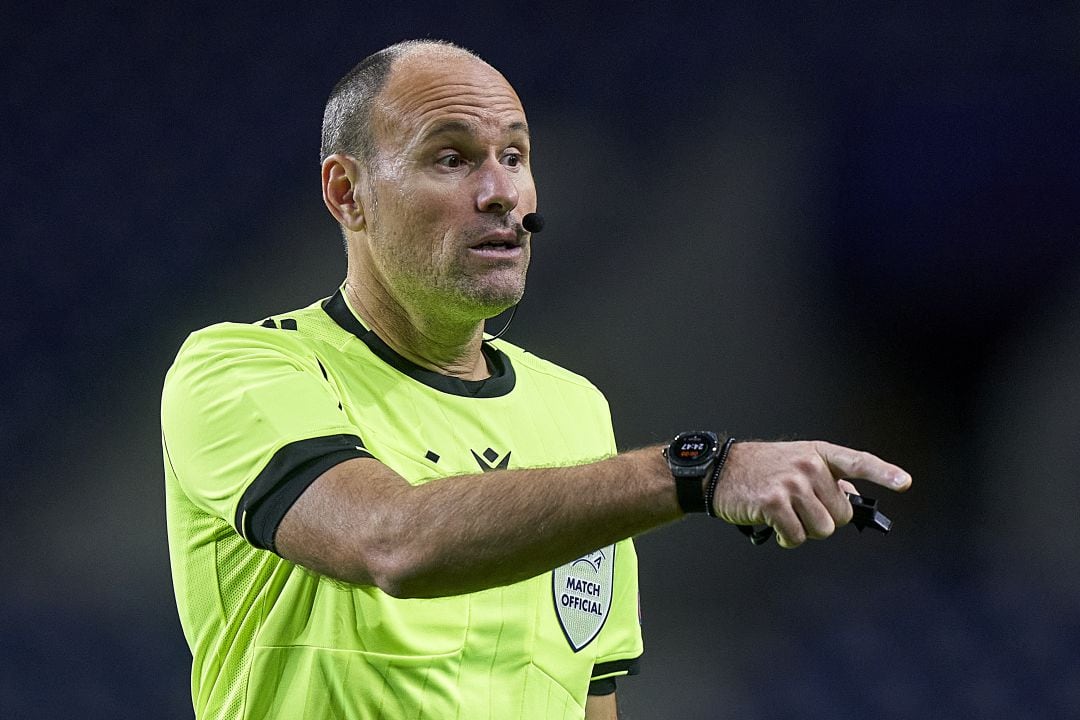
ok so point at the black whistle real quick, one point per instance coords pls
(866, 514)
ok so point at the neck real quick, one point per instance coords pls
(434, 342)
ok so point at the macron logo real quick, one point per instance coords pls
(488, 463)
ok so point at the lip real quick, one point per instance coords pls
(497, 252)
(498, 240)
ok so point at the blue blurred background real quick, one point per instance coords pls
(846, 221)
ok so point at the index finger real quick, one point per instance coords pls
(858, 465)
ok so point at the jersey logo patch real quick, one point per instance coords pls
(582, 590)
(487, 462)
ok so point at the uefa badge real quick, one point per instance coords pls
(582, 594)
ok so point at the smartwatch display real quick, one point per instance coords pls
(690, 456)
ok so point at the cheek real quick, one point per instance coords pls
(526, 187)
(421, 241)
(421, 212)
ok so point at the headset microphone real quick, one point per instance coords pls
(533, 222)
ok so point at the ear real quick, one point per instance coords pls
(341, 191)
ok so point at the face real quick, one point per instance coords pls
(451, 182)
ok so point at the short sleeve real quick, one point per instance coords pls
(248, 421)
(619, 643)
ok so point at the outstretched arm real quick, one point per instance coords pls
(362, 523)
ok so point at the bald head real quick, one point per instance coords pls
(427, 170)
(347, 121)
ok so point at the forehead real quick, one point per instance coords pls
(428, 89)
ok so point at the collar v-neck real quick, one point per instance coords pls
(500, 383)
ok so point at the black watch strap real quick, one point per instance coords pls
(691, 494)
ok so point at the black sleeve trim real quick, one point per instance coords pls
(606, 686)
(284, 479)
(602, 687)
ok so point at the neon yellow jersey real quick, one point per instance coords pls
(252, 414)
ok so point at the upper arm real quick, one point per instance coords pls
(337, 527)
(248, 422)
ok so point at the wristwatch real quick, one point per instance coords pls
(691, 456)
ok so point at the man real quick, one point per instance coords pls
(374, 511)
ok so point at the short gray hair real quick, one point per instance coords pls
(347, 119)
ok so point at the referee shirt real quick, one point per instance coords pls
(252, 414)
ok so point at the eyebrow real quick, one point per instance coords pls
(452, 127)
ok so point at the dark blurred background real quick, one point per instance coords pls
(805, 220)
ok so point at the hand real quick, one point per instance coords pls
(797, 488)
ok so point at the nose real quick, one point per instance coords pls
(496, 189)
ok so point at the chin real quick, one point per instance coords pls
(492, 305)
(490, 302)
(497, 294)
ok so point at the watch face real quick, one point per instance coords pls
(692, 448)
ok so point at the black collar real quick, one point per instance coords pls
(500, 383)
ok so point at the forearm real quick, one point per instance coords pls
(362, 523)
(466, 533)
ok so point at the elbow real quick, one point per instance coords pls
(399, 573)
(391, 577)
(389, 552)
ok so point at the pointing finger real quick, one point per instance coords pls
(847, 463)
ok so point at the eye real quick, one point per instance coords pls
(450, 160)
(512, 159)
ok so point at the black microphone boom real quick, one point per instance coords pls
(533, 222)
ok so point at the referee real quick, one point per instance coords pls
(374, 511)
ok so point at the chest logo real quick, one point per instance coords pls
(487, 461)
(582, 590)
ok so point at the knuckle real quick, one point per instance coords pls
(823, 530)
(790, 541)
(795, 489)
(774, 500)
(807, 465)
(790, 485)
(812, 466)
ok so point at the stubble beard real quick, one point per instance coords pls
(435, 289)
(470, 297)
(448, 290)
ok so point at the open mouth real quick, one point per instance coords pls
(496, 245)
(499, 241)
